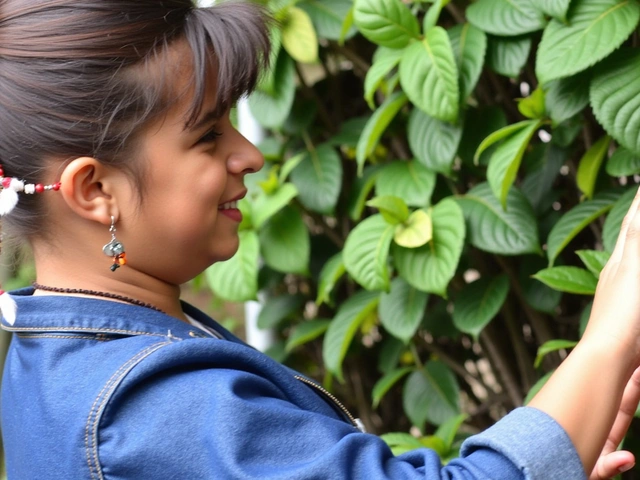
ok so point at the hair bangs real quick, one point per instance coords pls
(232, 40)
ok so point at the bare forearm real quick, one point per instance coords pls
(584, 395)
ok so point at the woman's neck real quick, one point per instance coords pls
(93, 275)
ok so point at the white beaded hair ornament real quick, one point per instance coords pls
(11, 187)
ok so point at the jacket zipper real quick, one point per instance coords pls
(356, 422)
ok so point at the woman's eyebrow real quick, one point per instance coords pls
(206, 119)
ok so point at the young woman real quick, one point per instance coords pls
(121, 168)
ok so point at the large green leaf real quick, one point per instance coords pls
(567, 49)
(331, 272)
(306, 332)
(377, 125)
(539, 182)
(575, 220)
(494, 230)
(328, 17)
(430, 268)
(505, 17)
(615, 97)
(366, 252)
(594, 260)
(498, 135)
(299, 36)
(383, 385)
(431, 394)
(429, 75)
(381, 67)
(505, 161)
(392, 209)
(401, 310)
(623, 163)
(569, 279)
(469, 47)
(567, 97)
(285, 242)
(433, 142)
(343, 328)
(277, 308)
(386, 22)
(236, 280)
(478, 303)
(266, 206)
(539, 296)
(508, 56)
(272, 110)
(554, 8)
(590, 164)
(318, 178)
(410, 181)
(613, 222)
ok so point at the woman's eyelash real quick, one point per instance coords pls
(210, 136)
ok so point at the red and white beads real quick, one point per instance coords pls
(12, 186)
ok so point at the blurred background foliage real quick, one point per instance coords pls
(444, 181)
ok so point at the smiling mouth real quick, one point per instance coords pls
(229, 206)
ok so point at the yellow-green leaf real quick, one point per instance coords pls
(416, 231)
(590, 166)
(299, 36)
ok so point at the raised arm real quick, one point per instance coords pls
(585, 393)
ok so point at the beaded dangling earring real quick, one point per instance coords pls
(115, 249)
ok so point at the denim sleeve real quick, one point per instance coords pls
(230, 424)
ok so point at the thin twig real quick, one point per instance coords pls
(359, 63)
(455, 13)
(501, 367)
(459, 369)
(539, 324)
(524, 360)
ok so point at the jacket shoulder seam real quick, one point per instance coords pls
(99, 405)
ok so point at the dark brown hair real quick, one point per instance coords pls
(82, 77)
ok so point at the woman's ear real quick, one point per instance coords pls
(88, 189)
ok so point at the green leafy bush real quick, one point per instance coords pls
(444, 183)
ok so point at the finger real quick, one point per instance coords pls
(613, 464)
(616, 256)
(628, 406)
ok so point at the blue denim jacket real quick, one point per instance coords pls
(94, 389)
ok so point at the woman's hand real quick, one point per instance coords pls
(612, 462)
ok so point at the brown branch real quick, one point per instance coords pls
(455, 13)
(501, 366)
(540, 326)
(458, 369)
(359, 63)
(523, 359)
(331, 234)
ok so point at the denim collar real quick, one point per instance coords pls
(62, 313)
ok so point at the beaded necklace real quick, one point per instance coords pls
(95, 293)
